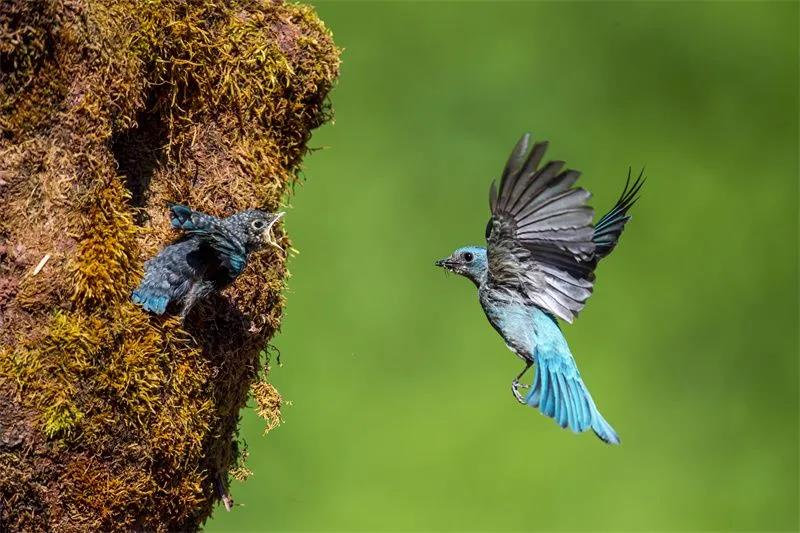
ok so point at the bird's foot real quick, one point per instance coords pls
(515, 385)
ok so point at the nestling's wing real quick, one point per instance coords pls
(210, 229)
(167, 278)
(540, 234)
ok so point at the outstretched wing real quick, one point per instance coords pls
(608, 229)
(211, 230)
(540, 234)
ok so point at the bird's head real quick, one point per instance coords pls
(255, 226)
(469, 261)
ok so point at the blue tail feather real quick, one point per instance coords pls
(560, 393)
(603, 429)
(150, 301)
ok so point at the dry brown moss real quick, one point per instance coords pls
(112, 418)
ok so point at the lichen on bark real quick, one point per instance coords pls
(111, 418)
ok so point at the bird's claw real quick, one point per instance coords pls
(516, 385)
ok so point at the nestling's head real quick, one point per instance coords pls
(469, 261)
(254, 226)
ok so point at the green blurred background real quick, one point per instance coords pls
(402, 418)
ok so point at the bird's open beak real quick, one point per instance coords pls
(268, 231)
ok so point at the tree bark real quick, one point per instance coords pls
(111, 418)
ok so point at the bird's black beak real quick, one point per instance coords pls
(444, 263)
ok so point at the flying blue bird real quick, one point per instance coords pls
(210, 256)
(539, 263)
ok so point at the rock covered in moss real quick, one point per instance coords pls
(112, 418)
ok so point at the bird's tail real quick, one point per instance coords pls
(151, 296)
(560, 393)
(609, 228)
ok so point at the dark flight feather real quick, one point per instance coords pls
(608, 229)
(540, 232)
(541, 241)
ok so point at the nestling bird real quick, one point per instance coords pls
(210, 256)
(539, 264)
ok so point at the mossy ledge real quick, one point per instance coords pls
(111, 418)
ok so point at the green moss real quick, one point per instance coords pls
(104, 266)
(60, 418)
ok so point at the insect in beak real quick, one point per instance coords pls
(446, 264)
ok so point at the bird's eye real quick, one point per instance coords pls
(258, 224)
(468, 256)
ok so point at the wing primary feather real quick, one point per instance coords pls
(560, 184)
(538, 183)
(572, 218)
(493, 195)
(609, 228)
(626, 199)
(528, 174)
(576, 197)
(535, 157)
(512, 168)
(568, 199)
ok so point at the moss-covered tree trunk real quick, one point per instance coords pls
(111, 418)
